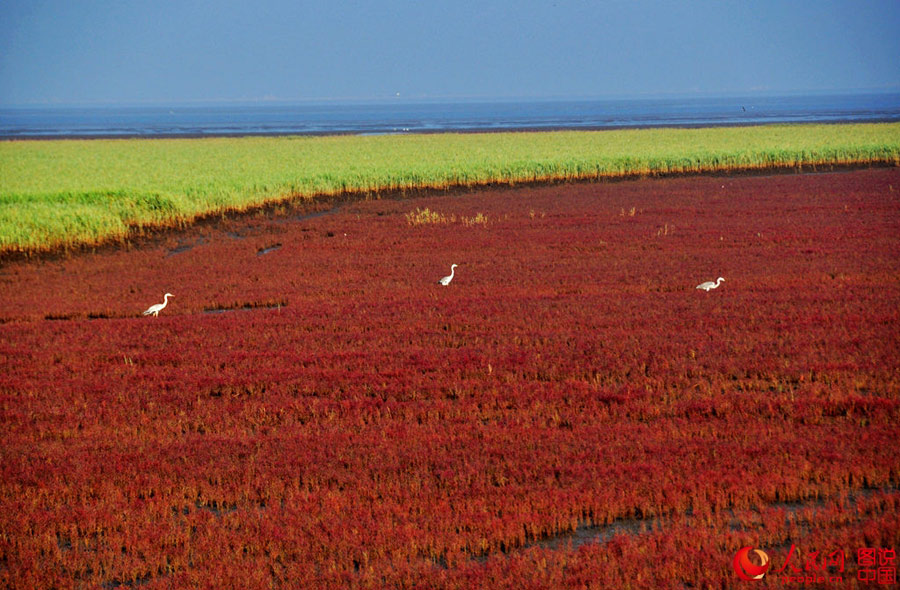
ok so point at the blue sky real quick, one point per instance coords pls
(125, 51)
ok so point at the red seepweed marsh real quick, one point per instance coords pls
(359, 425)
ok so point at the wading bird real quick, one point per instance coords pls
(155, 309)
(710, 285)
(446, 280)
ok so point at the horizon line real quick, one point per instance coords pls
(425, 98)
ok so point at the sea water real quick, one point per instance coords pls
(381, 117)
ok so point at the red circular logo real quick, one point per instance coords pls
(747, 570)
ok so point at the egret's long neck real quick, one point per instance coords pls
(452, 270)
(166, 299)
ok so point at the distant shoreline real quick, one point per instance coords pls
(320, 120)
(462, 130)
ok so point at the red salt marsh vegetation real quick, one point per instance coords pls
(344, 421)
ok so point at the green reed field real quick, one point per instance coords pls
(65, 193)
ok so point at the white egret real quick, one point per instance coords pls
(710, 285)
(155, 309)
(446, 280)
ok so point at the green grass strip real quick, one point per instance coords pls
(65, 193)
